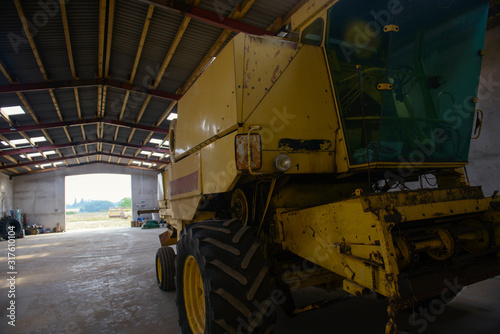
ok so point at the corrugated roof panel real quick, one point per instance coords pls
(106, 149)
(67, 151)
(174, 78)
(67, 104)
(114, 160)
(57, 135)
(129, 151)
(115, 149)
(218, 6)
(263, 13)
(48, 34)
(90, 131)
(88, 101)
(75, 133)
(114, 102)
(155, 109)
(92, 148)
(15, 50)
(80, 149)
(162, 31)
(109, 132)
(194, 45)
(73, 162)
(197, 41)
(127, 29)
(140, 136)
(43, 106)
(83, 22)
(123, 134)
(134, 105)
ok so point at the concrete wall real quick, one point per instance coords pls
(41, 196)
(484, 157)
(6, 194)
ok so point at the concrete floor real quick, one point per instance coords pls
(103, 281)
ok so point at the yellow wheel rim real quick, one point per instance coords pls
(194, 295)
(158, 268)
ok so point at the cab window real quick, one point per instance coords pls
(313, 34)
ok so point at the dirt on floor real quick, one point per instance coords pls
(94, 220)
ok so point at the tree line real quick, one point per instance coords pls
(99, 205)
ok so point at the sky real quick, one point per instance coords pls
(106, 187)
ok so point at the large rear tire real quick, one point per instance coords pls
(165, 268)
(222, 280)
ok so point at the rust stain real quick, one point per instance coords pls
(277, 54)
(242, 152)
(275, 74)
(248, 76)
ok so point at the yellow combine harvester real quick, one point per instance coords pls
(293, 160)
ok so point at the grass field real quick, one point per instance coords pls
(97, 220)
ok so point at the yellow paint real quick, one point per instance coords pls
(158, 269)
(218, 164)
(208, 108)
(325, 234)
(194, 296)
(264, 61)
(353, 239)
(305, 14)
(282, 91)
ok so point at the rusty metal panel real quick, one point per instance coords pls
(241, 147)
(265, 59)
(342, 238)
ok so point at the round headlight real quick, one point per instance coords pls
(282, 163)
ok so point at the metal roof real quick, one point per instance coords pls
(89, 74)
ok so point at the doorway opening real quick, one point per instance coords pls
(98, 201)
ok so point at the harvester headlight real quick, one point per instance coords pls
(282, 163)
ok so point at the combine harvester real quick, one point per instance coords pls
(334, 157)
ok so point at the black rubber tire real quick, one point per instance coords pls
(4, 227)
(165, 258)
(235, 277)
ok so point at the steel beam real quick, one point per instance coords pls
(31, 87)
(209, 17)
(142, 90)
(82, 122)
(69, 166)
(41, 162)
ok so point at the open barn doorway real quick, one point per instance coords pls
(98, 201)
